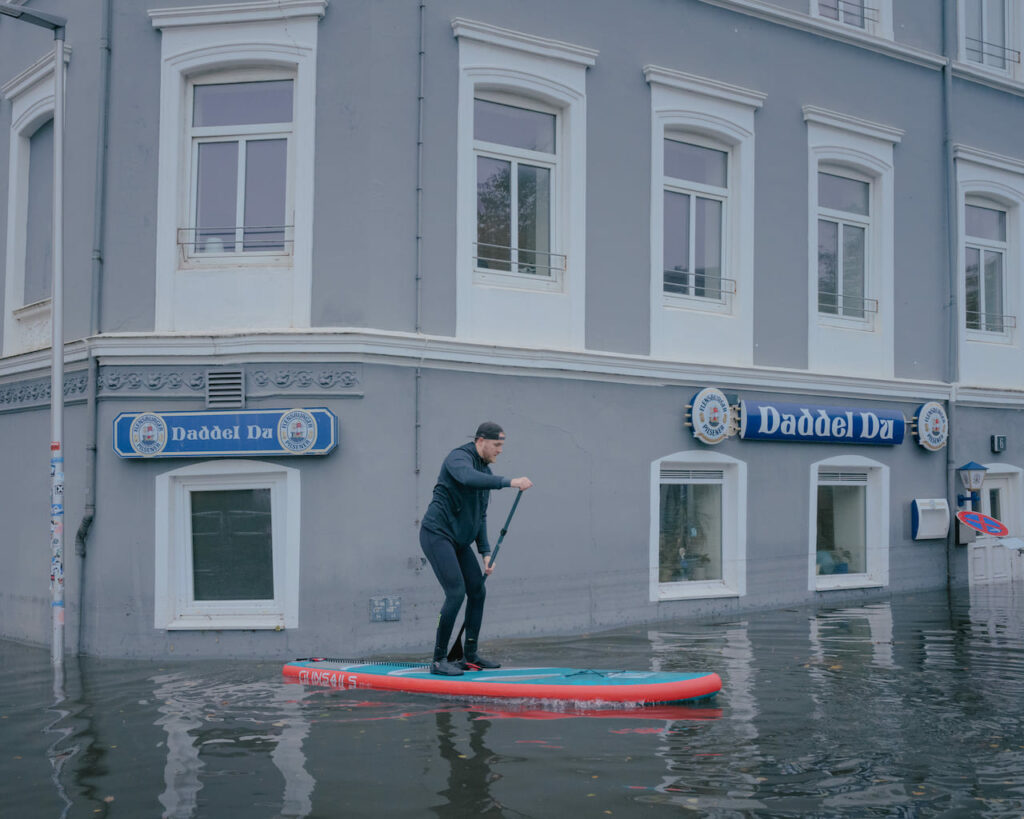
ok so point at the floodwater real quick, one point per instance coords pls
(913, 706)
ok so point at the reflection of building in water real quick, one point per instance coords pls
(727, 650)
(853, 635)
(192, 717)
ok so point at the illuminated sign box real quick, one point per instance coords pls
(775, 421)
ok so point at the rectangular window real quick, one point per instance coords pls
(516, 156)
(690, 528)
(240, 152)
(39, 224)
(695, 196)
(984, 257)
(841, 546)
(843, 228)
(985, 33)
(232, 545)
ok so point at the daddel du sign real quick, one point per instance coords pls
(775, 421)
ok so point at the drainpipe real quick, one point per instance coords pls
(949, 37)
(95, 315)
(419, 243)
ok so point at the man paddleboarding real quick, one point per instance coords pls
(456, 517)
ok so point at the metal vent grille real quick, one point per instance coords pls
(225, 389)
(842, 477)
(670, 474)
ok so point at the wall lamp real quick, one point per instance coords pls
(972, 476)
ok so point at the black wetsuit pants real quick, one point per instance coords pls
(461, 577)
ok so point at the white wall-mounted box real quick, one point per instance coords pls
(929, 518)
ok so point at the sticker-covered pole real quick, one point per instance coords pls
(57, 374)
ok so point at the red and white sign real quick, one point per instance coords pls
(982, 523)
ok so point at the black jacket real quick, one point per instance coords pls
(459, 506)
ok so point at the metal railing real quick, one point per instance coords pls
(977, 50)
(837, 304)
(990, 322)
(701, 285)
(211, 241)
(507, 259)
(843, 9)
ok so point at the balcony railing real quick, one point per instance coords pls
(838, 304)
(977, 50)
(701, 285)
(507, 259)
(990, 322)
(216, 241)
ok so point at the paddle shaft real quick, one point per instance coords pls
(456, 650)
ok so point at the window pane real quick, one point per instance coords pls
(39, 227)
(534, 191)
(242, 103)
(993, 291)
(677, 243)
(509, 125)
(232, 550)
(216, 197)
(690, 539)
(853, 12)
(696, 163)
(995, 33)
(973, 28)
(493, 213)
(266, 162)
(985, 223)
(828, 8)
(708, 249)
(828, 266)
(842, 518)
(995, 507)
(853, 271)
(840, 193)
(972, 302)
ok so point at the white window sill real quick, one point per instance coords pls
(695, 590)
(857, 325)
(673, 301)
(224, 622)
(992, 77)
(33, 312)
(847, 581)
(518, 281)
(981, 337)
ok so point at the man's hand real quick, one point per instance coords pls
(487, 564)
(522, 484)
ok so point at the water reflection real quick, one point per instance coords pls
(907, 707)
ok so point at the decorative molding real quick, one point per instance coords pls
(187, 382)
(704, 86)
(965, 71)
(341, 380)
(999, 162)
(35, 392)
(852, 124)
(40, 70)
(804, 22)
(517, 40)
(233, 13)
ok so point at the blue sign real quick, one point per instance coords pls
(772, 421)
(230, 432)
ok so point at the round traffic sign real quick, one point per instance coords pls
(982, 523)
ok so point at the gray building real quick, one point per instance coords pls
(739, 278)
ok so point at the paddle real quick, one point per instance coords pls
(456, 651)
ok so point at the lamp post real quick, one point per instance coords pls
(57, 25)
(972, 476)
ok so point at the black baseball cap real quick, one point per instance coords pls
(489, 430)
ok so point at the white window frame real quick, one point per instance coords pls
(734, 526)
(542, 74)
(1013, 71)
(26, 326)
(842, 218)
(714, 114)
(174, 606)
(877, 17)
(876, 529)
(240, 134)
(986, 246)
(1011, 479)
(696, 190)
(849, 146)
(992, 358)
(554, 281)
(234, 290)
